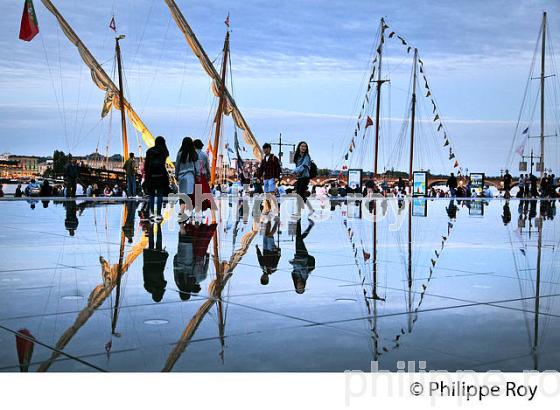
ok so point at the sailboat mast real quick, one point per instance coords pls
(413, 119)
(378, 98)
(543, 52)
(220, 110)
(412, 125)
(121, 97)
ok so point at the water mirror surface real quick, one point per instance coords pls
(90, 286)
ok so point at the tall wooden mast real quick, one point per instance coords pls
(121, 97)
(543, 52)
(220, 111)
(379, 82)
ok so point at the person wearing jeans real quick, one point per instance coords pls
(156, 177)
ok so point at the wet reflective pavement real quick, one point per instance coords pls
(91, 287)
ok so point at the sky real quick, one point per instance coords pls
(299, 67)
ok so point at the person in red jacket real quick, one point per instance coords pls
(269, 169)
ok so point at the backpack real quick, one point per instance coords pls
(313, 170)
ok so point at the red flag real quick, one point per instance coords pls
(29, 26)
(113, 25)
(369, 121)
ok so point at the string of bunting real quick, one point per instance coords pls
(440, 127)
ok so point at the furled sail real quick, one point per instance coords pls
(100, 77)
(207, 65)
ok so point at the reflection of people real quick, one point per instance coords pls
(190, 264)
(71, 220)
(451, 209)
(303, 263)
(128, 227)
(155, 258)
(270, 254)
(506, 216)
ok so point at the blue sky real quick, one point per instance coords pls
(299, 67)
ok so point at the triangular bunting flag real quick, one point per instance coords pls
(369, 121)
(392, 34)
(446, 143)
(440, 126)
(436, 117)
(456, 164)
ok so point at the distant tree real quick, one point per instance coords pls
(323, 172)
(60, 159)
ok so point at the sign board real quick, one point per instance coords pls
(355, 179)
(419, 183)
(419, 207)
(354, 210)
(477, 182)
(523, 166)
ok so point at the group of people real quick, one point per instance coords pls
(532, 187)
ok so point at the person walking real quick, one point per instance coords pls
(521, 184)
(187, 157)
(202, 174)
(452, 184)
(269, 169)
(302, 171)
(131, 169)
(71, 176)
(534, 186)
(156, 176)
(507, 179)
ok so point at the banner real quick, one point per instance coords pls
(477, 182)
(420, 183)
(355, 179)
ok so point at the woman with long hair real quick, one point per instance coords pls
(156, 179)
(185, 172)
(302, 171)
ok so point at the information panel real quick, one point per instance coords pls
(420, 183)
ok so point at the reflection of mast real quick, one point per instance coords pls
(219, 111)
(119, 274)
(223, 274)
(537, 295)
(96, 298)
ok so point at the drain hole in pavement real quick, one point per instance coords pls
(156, 322)
(72, 297)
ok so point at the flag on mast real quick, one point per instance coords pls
(29, 26)
(113, 24)
(226, 22)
